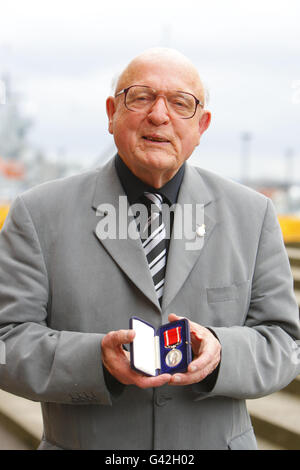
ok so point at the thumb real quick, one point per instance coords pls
(174, 317)
(117, 338)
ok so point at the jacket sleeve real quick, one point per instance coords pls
(262, 356)
(40, 363)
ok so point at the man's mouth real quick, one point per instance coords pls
(156, 138)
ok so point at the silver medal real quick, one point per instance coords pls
(173, 358)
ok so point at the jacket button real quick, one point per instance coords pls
(161, 399)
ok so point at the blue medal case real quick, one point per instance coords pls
(148, 352)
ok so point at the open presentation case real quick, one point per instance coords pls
(167, 350)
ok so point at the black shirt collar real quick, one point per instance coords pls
(135, 188)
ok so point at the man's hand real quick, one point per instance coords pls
(207, 352)
(117, 361)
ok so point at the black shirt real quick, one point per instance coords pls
(135, 188)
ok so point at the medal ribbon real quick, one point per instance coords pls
(172, 337)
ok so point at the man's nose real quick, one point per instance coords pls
(159, 113)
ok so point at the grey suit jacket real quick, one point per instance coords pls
(62, 288)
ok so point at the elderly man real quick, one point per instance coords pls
(68, 290)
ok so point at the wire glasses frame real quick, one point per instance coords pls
(126, 90)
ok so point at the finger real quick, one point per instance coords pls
(185, 379)
(208, 359)
(188, 378)
(197, 330)
(174, 317)
(200, 367)
(143, 381)
(114, 357)
(201, 362)
(197, 335)
(149, 382)
(194, 327)
(195, 375)
(196, 343)
(130, 376)
(117, 338)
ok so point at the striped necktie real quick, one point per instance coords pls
(154, 243)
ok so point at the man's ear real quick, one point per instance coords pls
(204, 122)
(110, 111)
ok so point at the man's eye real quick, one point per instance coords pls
(142, 98)
(179, 103)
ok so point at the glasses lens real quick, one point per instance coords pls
(182, 104)
(139, 98)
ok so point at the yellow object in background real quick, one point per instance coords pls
(290, 226)
(4, 208)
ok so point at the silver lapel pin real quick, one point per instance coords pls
(201, 230)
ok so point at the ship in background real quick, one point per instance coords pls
(22, 165)
(13, 145)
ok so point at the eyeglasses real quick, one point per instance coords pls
(141, 98)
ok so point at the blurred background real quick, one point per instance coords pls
(58, 60)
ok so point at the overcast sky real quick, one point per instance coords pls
(62, 55)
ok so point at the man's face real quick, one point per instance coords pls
(155, 144)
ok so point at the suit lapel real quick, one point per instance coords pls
(128, 252)
(111, 205)
(184, 251)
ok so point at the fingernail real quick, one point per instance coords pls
(177, 378)
(192, 368)
(129, 335)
